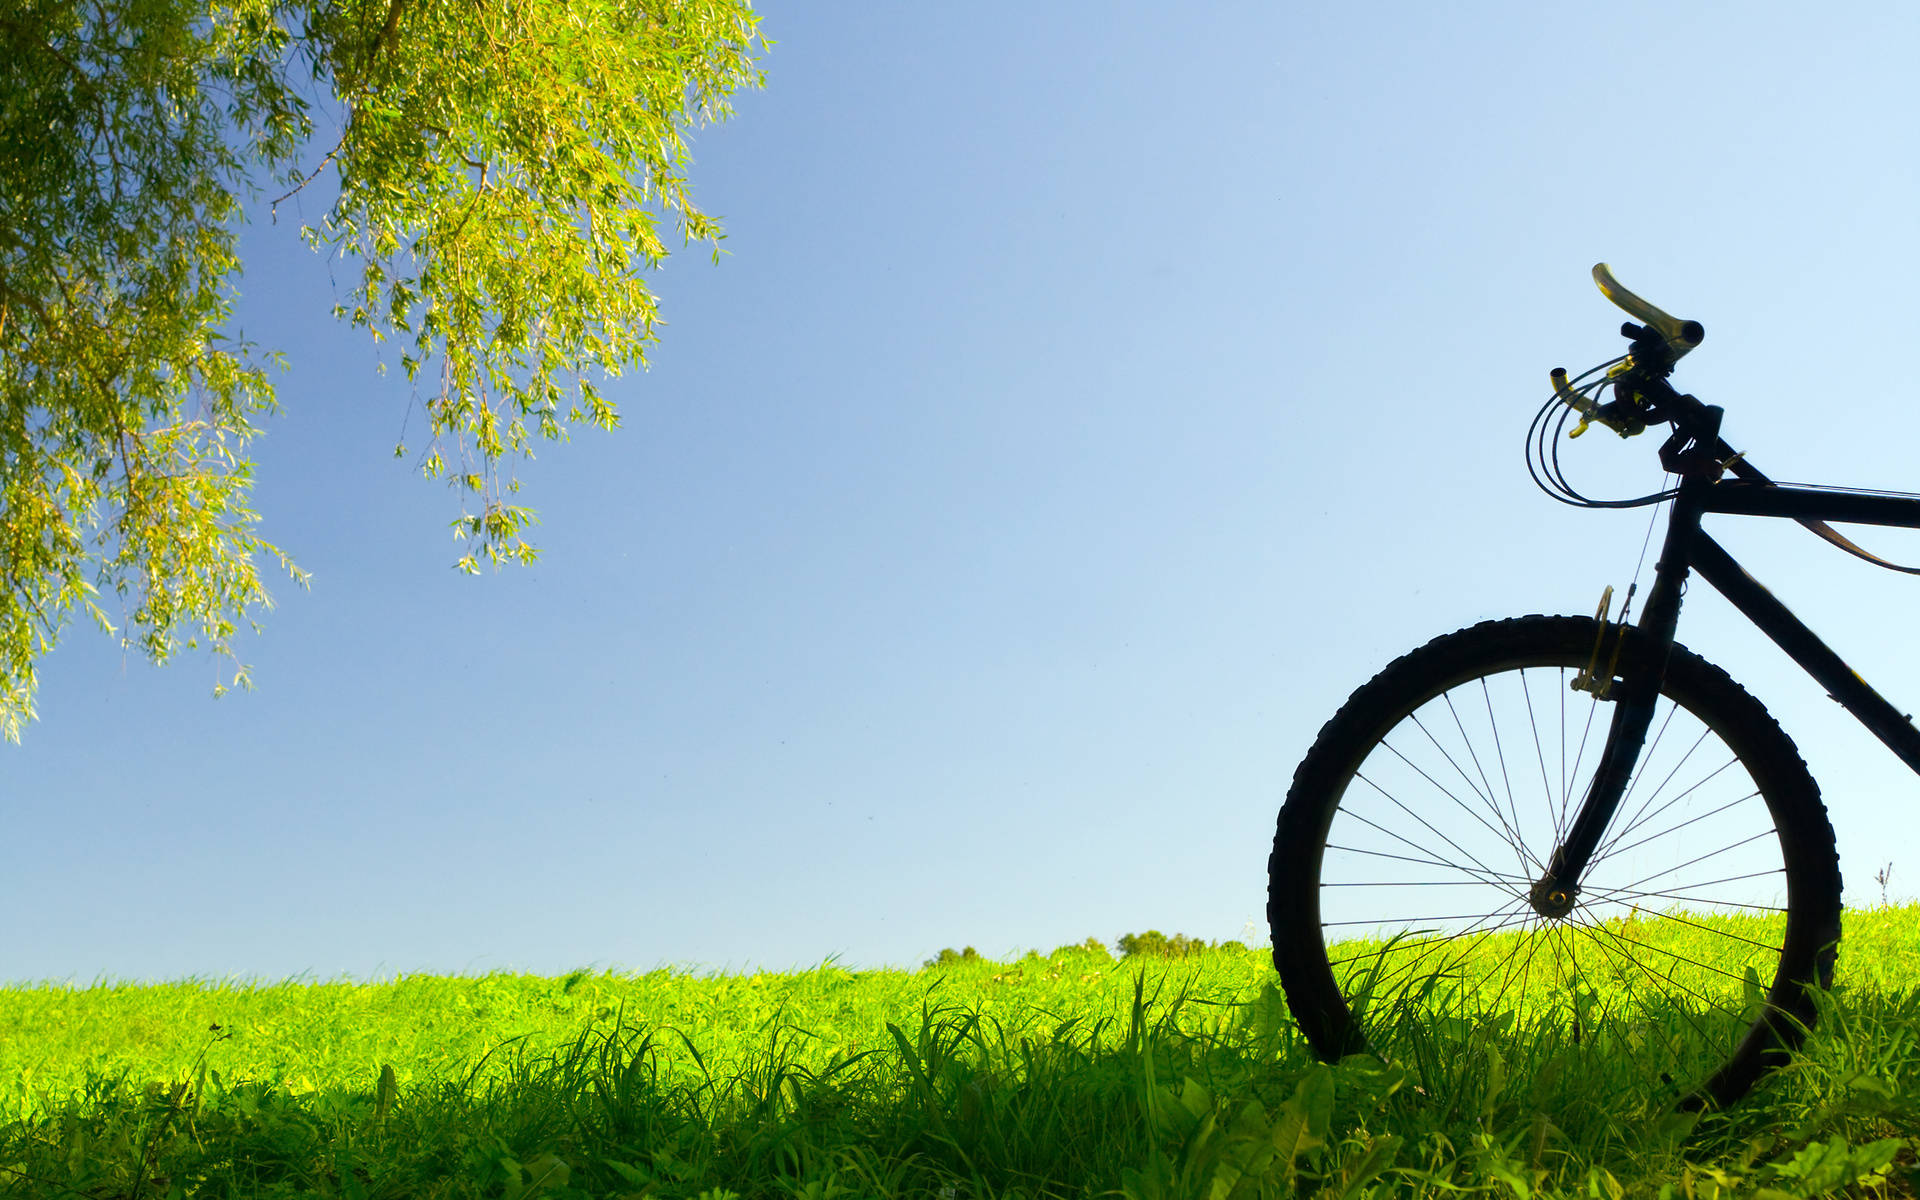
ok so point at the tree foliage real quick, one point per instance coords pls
(1154, 944)
(503, 172)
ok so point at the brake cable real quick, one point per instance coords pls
(1571, 396)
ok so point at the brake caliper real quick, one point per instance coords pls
(1593, 679)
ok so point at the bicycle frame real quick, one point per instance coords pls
(1894, 728)
(1687, 547)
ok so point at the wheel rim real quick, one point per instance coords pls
(1667, 957)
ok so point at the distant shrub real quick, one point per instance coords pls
(949, 956)
(1151, 944)
(1154, 944)
(1092, 945)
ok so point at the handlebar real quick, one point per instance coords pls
(1681, 336)
(1642, 396)
(1657, 345)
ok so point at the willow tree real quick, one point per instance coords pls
(502, 173)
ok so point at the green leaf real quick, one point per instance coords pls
(1377, 1157)
(1304, 1117)
(384, 1092)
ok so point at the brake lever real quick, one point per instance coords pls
(1624, 416)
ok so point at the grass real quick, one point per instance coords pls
(1065, 1075)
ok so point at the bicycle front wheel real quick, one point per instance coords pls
(1399, 882)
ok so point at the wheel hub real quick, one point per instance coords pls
(1550, 899)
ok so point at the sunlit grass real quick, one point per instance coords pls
(1070, 1075)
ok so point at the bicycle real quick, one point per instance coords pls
(1656, 879)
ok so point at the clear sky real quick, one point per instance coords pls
(1093, 396)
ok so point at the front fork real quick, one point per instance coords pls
(1642, 670)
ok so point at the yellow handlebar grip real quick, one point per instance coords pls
(1682, 335)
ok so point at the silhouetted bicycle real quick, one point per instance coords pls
(1575, 831)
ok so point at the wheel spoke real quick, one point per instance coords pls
(1598, 932)
(1682, 825)
(1510, 828)
(1683, 916)
(1507, 920)
(1678, 957)
(1444, 792)
(1567, 930)
(1725, 933)
(1560, 821)
(1500, 752)
(1380, 883)
(1502, 915)
(1477, 871)
(1674, 895)
(1534, 727)
(1640, 766)
(1647, 757)
(1767, 832)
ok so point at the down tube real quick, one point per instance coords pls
(1869, 707)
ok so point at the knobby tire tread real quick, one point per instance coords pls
(1808, 850)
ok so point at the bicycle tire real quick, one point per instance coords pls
(1666, 1010)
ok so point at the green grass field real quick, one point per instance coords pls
(1065, 1075)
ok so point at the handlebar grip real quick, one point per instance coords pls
(1681, 335)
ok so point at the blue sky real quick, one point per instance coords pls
(1093, 395)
